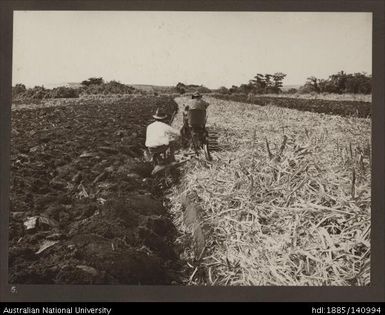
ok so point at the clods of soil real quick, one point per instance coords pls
(82, 208)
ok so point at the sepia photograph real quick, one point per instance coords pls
(191, 148)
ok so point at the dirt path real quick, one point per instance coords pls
(188, 218)
(178, 120)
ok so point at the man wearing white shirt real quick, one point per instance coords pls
(159, 135)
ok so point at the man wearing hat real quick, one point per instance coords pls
(195, 114)
(159, 135)
(198, 106)
(196, 102)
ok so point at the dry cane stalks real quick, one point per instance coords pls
(297, 217)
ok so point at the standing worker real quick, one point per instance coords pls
(197, 103)
(194, 116)
(195, 113)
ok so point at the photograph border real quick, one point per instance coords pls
(121, 293)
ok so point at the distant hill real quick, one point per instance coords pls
(145, 87)
(74, 85)
(151, 88)
(142, 87)
(66, 84)
(291, 86)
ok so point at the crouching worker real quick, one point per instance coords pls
(160, 137)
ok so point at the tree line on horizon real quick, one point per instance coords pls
(260, 84)
(339, 83)
(94, 85)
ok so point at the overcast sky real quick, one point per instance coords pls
(210, 48)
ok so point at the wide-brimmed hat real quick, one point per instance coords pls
(159, 114)
(197, 94)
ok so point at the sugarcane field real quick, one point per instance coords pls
(155, 163)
